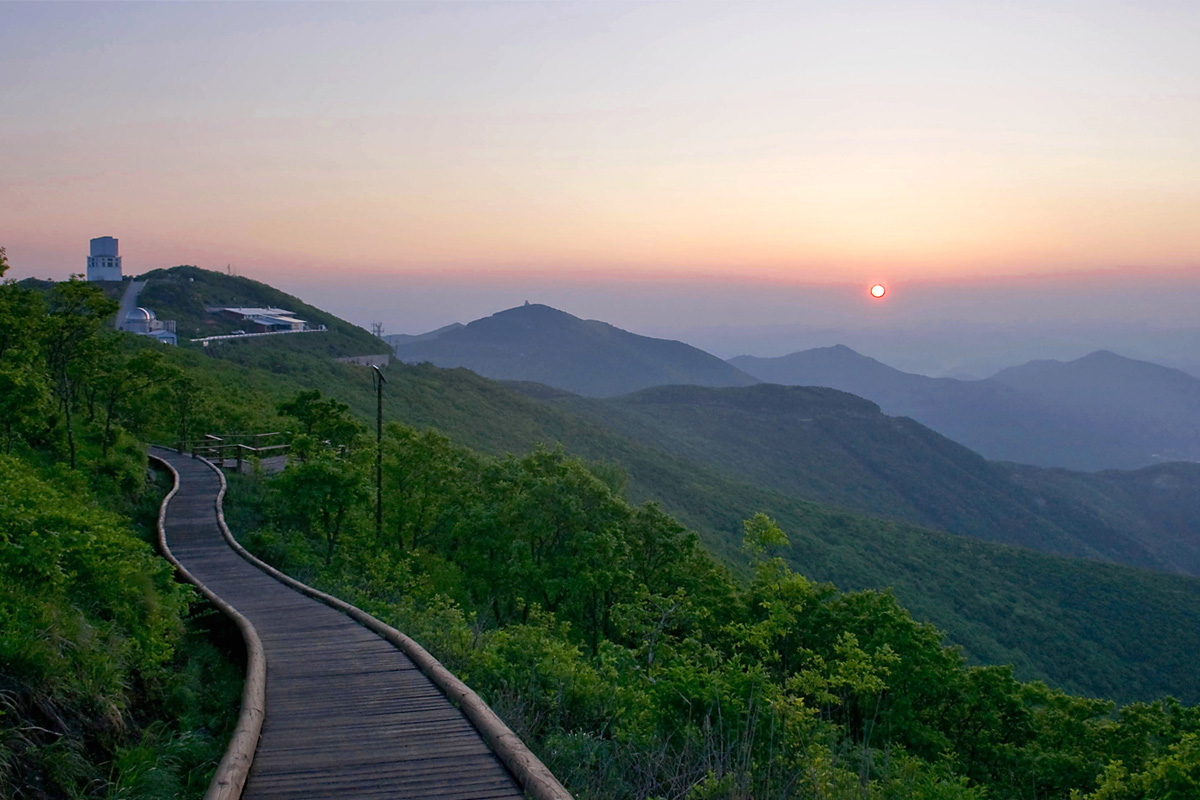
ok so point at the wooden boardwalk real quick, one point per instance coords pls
(347, 713)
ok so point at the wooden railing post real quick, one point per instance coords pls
(224, 451)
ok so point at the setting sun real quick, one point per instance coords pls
(878, 290)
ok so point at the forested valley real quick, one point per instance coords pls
(637, 657)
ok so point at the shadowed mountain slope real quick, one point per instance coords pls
(396, 339)
(1158, 506)
(831, 447)
(1006, 418)
(543, 344)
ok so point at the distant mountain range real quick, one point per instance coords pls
(830, 445)
(1112, 388)
(1102, 411)
(587, 357)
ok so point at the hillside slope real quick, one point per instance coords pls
(831, 447)
(1089, 627)
(183, 293)
(1159, 506)
(542, 344)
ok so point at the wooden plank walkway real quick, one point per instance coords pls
(347, 713)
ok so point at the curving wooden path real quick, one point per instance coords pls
(347, 714)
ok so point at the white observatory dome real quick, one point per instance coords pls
(138, 320)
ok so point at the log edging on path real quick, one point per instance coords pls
(533, 776)
(230, 777)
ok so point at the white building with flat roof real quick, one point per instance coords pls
(104, 264)
(264, 319)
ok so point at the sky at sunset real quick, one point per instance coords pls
(662, 166)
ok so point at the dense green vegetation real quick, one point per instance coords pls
(1080, 626)
(1089, 628)
(115, 681)
(109, 684)
(639, 658)
(183, 294)
(637, 666)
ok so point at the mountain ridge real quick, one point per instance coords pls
(542, 344)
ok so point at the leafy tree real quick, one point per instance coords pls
(555, 538)
(1174, 775)
(78, 310)
(428, 484)
(762, 536)
(325, 419)
(184, 396)
(24, 393)
(319, 496)
(122, 377)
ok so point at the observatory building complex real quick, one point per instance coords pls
(103, 263)
(144, 322)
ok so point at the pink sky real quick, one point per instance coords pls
(676, 147)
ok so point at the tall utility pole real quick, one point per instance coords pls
(379, 382)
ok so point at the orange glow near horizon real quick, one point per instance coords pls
(604, 143)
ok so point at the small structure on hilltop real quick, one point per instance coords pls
(263, 320)
(143, 322)
(381, 360)
(104, 264)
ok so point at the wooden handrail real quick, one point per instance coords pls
(218, 448)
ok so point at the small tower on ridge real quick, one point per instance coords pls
(104, 264)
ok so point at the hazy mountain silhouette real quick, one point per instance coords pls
(1160, 404)
(832, 447)
(1100, 412)
(395, 339)
(539, 343)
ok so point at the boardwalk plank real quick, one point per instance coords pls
(347, 714)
